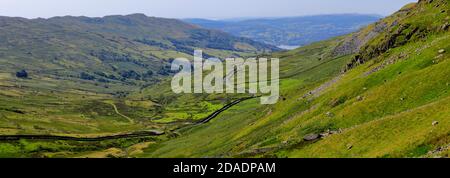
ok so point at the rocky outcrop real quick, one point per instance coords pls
(353, 43)
(393, 31)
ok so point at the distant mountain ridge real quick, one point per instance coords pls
(290, 31)
(110, 49)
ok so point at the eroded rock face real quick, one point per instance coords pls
(353, 44)
(396, 31)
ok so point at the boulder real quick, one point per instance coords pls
(22, 74)
(435, 123)
(441, 51)
(359, 98)
(158, 132)
(325, 134)
(438, 57)
(329, 114)
(311, 137)
(334, 132)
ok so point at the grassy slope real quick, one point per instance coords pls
(395, 117)
(382, 108)
(175, 109)
(226, 132)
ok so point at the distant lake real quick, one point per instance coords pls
(288, 47)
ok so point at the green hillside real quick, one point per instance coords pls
(72, 76)
(394, 103)
(380, 92)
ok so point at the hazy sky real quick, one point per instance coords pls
(196, 8)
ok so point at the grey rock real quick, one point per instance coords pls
(353, 43)
(334, 132)
(438, 57)
(329, 114)
(311, 137)
(445, 26)
(323, 135)
(359, 98)
(435, 123)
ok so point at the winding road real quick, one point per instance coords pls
(119, 136)
(226, 107)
